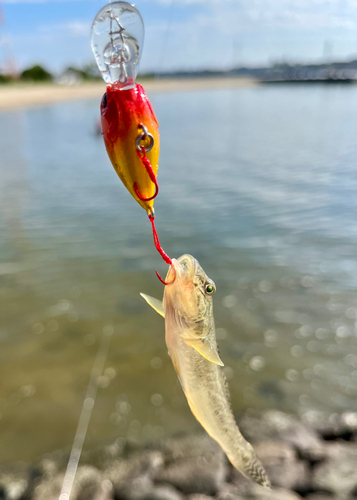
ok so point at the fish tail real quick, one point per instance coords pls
(249, 465)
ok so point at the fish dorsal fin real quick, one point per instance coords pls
(154, 303)
(206, 348)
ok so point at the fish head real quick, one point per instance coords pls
(190, 293)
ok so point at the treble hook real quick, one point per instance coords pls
(142, 150)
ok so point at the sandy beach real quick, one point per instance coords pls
(25, 96)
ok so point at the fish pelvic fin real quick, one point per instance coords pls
(250, 466)
(206, 348)
(156, 304)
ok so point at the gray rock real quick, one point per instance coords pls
(334, 426)
(229, 492)
(273, 494)
(105, 492)
(133, 489)
(282, 465)
(193, 445)
(194, 464)
(132, 478)
(199, 496)
(200, 474)
(87, 485)
(145, 463)
(48, 488)
(246, 489)
(14, 480)
(338, 473)
(320, 496)
(12, 487)
(275, 425)
(164, 492)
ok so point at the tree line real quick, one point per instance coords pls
(38, 73)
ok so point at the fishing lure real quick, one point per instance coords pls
(129, 125)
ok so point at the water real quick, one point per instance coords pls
(259, 184)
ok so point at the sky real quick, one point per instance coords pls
(187, 34)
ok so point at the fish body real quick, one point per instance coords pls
(191, 341)
(122, 113)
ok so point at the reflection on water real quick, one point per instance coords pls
(258, 184)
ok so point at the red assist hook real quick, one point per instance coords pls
(142, 150)
(159, 248)
(146, 137)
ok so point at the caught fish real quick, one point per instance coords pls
(191, 341)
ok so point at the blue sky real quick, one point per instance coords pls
(189, 34)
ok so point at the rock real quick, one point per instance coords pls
(48, 488)
(133, 489)
(320, 496)
(199, 496)
(193, 445)
(106, 491)
(194, 464)
(145, 463)
(132, 478)
(203, 474)
(246, 489)
(164, 492)
(13, 482)
(273, 494)
(334, 426)
(275, 425)
(87, 485)
(229, 492)
(282, 465)
(338, 473)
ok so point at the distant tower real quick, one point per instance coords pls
(7, 60)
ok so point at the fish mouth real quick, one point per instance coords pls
(188, 265)
(184, 267)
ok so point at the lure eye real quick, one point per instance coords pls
(104, 101)
(210, 289)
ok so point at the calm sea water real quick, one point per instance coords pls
(259, 184)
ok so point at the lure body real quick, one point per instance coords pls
(191, 340)
(122, 114)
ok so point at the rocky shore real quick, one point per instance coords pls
(314, 459)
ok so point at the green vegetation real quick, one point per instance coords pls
(36, 74)
(5, 79)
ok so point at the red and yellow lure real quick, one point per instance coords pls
(131, 136)
(129, 125)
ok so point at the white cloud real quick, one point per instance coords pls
(303, 14)
(214, 33)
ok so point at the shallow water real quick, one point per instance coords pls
(259, 184)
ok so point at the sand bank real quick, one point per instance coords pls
(25, 96)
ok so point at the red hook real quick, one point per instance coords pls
(151, 174)
(159, 248)
(145, 161)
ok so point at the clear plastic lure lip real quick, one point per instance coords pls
(117, 39)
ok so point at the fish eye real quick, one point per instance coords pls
(210, 289)
(104, 101)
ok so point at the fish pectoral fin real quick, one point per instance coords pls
(207, 349)
(156, 304)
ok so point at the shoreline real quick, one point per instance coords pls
(23, 96)
(309, 459)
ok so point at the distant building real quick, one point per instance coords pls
(70, 76)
